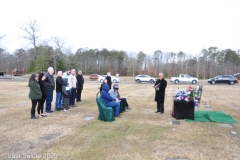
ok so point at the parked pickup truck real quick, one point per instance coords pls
(184, 78)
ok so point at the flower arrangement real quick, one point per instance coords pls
(192, 93)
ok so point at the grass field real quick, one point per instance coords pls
(138, 134)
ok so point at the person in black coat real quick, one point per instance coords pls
(109, 80)
(160, 87)
(80, 83)
(43, 87)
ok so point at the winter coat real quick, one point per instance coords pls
(65, 75)
(74, 81)
(65, 88)
(105, 95)
(43, 87)
(80, 82)
(59, 83)
(35, 91)
(113, 94)
(160, 94)
(109, 81)
(50, 81)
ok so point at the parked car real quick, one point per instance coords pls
(94, 76)
(237, 75)
(1, 73)
(231, 80)
(114, 79)
(145, 78)
(184, 78)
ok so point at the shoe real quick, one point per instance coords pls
(57, 109)
(129, 108)
(117, 115)
(49, 112)
(43, 115)
(162, 112)
(40, 116)
(66, 109)
(33, 117)
(156, 111)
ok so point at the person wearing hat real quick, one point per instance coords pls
(114, 93)
(109, 101)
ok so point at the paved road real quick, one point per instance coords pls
(25, 78)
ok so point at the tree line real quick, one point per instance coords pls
(208, 63)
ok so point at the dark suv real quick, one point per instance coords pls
(223, 79)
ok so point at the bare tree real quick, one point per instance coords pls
(31, 32)
(58, 52)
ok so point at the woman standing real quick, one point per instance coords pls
(35, 93)
(44, 91)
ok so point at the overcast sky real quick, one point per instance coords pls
(129, 25)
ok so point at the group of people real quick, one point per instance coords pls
(69, 87)
(111, 97)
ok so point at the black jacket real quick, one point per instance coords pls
(109, 81)
(50, 81)
(160, 94)
(59, 83)
(43, 88)
(66, 93)
(80, 82)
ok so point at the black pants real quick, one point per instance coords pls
(160, 107)
(34, 104)
(123, 104)
(41, 105)
(79, 92)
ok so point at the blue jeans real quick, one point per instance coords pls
(115, 104)
(72, 97)
(58, 100)
(49, 99)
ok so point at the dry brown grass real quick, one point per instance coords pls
(138, 134)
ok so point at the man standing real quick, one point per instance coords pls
(160, 86)
(109, 80)
(73, 89)
(80, 83)
(59, 83)
(50, 87)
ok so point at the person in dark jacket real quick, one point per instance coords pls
(35, 93)
(42, 83)
(109, 101)
(50, 87)
(80, 83)
(104, 82)
(59, 83)
(109, 80)
(66, 94)
(160, 87)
